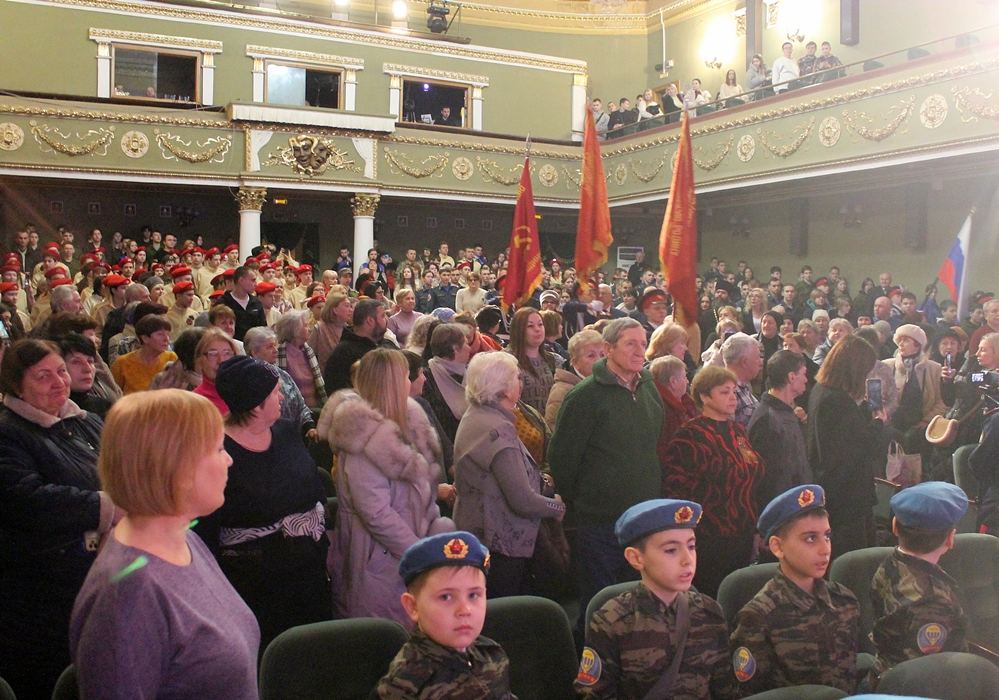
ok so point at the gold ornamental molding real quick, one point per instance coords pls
(321, 59)
(902, 112)
(399, 162)
(108, 116)
(648, 173)
(397, 70)
(55, 140)
(886, 88)
(300, 28)
(364, 204)
(789, 149)
(492, 172)
(962, 102)
(311, 155)
(173, 147)
(484, 148)
(251, 198)
(115, 36)
(721, 152)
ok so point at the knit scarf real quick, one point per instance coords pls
(444, 372)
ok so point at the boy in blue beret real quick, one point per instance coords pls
(914, 600)
(445, 577)
(799, 629)
(658, 639)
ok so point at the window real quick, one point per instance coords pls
(303, 87)
(443, 104)
(152, 74)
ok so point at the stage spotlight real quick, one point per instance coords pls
(437, 20)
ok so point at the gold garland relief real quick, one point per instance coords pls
(492, 172)
(829, 132)
(647, 173)
(721, 152)
(433, 165)
(308, 154)
(572, 177)
(50, 136)
(11, 136)
(548, 175)
(175, 148)
(462, 168)
(134, 144)
(962, 102)
(902, 113)
(791, 148)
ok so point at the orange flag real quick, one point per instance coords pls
(523, 273)
(593, 234)
(678, 238)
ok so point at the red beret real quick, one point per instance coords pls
(229, 273)
(59, 282)
(114, 281)
(182, 287)
(251, 261)
(315, 300)
(179, 270)
(11, 256)
(230, 248)
(210, 252)
(99, 249)
(55, 271)
(216, 294)
(8, 287)
(51, 253)
(649, 297)
(11, 267)
(265, 288)
(303, 268)
(102, 266)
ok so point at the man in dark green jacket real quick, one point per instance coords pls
(603, 454)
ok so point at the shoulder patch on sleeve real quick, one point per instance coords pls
(931, 638)
(589, 667)
(744, 664)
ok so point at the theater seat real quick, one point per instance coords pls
(537, 638)
(740, 586)
(948, 676)
(335, 660)
(800, 692)
(962, 470)
(856, 570)
(606, 594)
(66, 687)
(6, 692)
(974, 563)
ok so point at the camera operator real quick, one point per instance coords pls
(984, 460)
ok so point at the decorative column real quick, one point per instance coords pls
(395, 95)
(251, 204)
(349, 89)
(207, 79)
(364, 206)
(258, 80)
(579, 104)
(103, 70)
(477, 108)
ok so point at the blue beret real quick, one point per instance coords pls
(935, 505)
(655, 516)
(446, 549)
(800, 499)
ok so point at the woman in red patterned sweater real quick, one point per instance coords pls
(710, 461)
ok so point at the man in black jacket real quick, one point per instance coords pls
(366, 334)
(248, 309)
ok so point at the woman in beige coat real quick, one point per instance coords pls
(585, 348)
(917, 379)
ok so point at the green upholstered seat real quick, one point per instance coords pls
(855, 570)
(66, 687)
(948, 676)
(740, 586)
(800, 692)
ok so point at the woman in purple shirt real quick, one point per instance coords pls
(156, 617)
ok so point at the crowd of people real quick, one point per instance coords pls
(163, 516)
(786, 73)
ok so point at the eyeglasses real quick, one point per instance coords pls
(215, 355)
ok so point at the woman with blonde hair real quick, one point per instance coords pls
(337, 315)
(156, 617)
(389, 466)
(214, 348)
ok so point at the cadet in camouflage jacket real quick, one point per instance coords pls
(785, 637)
(917, 612)
(630, 645)
(425, 670)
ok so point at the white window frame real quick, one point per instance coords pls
(348, 67)
(205, 50)
(474, 83)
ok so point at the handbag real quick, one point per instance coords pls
(550, 566)
(903, 469)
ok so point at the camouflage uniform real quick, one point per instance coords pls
(426, 670)
(917, 612)
(786, 637)
(630, 643)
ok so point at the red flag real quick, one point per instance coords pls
(593, 234)
(678, 238)
(523, 273)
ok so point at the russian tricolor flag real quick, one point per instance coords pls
(955, 267)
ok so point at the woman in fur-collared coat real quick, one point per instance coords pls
(389, 466)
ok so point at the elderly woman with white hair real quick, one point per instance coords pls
(585, 348)
(499, 484)
(296, 358)
(261, 343)
(917, 379)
